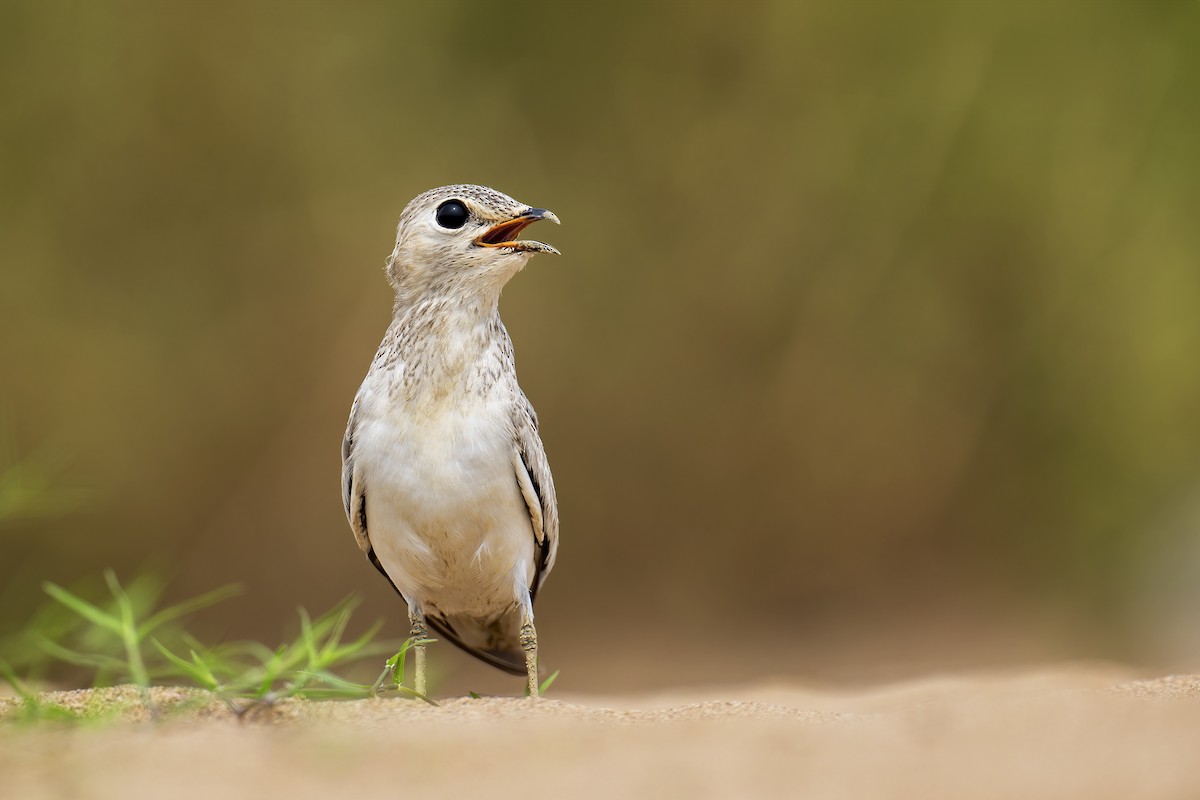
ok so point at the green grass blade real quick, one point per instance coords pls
(341, 618)
(97, 661)
(196, 670)
(329, 686)
(546, 684)
(333, 654)
(83, 608)
(193, 604)
(10, 677)
(308, 637)
(414, 694)
(398, 662)
(129, 631)
(271, 671)
(236, 651)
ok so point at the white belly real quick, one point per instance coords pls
(444, 511)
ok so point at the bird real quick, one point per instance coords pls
(445, 480)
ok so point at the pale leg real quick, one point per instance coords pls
(418, 632)
(529, 645)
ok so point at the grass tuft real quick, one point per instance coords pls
(126, 638)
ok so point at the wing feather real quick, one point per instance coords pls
(354, 494)
(537, 487)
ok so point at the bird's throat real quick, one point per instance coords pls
(449, 349)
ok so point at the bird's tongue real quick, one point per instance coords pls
(505, 231)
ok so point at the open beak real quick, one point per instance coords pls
(505, 233)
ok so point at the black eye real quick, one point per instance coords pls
(452, 214)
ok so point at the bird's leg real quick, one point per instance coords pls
(529, 645)
(419, 634)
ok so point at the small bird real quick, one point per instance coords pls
(444, 476)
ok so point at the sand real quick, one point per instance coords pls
(1068, 732)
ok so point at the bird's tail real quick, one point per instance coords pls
(496, 642)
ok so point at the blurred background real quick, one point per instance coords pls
(873, 350)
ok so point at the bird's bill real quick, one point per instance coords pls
(504, 234)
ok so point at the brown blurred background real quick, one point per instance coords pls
(872, 350)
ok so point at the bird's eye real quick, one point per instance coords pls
(451, 214)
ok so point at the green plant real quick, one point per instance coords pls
(32, 708)
(546, 684)
(394, 668)
(123, 623)
(248, 675)
(127, 639)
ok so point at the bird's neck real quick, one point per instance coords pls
(441, 316)
(446, 344)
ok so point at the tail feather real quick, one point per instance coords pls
(497, 642)
(487, 642)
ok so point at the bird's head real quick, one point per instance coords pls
(462, 239)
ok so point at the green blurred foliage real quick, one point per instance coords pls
(863, 305)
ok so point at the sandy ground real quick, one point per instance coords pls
(1074, 732)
